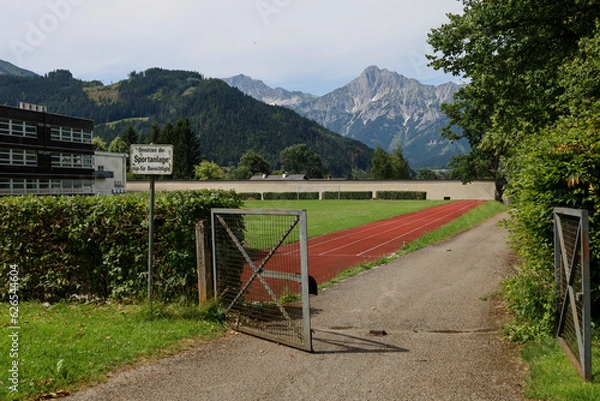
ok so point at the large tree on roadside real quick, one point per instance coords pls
(509, 53)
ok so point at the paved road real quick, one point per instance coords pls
(441, 344)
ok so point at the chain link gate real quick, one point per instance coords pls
(572, 271)
(260, 262)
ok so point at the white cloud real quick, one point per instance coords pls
(307, 45)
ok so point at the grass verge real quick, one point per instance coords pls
(552, 376)
(66, 346)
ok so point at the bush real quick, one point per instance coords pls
(358, 195)
(98, 246)
(290, 195)
(402, 195)
(558, 167)
(249, 196)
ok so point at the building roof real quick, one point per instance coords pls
(282, 177)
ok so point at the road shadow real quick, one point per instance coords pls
(332, 342)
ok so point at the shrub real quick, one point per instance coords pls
(558, 167)
(402, 195)
(98, 246)
(357, 195)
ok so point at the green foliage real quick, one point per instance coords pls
(389, 166)
(98, 245)
(396, 195)
(511, 53)
(118, 145)
(99, 144)
(290, 195)
(350, 195)
(426, 174)
(249, 195)
(301, 159)
(254, 162)
(207, 171)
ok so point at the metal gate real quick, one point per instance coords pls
(260, 260)
(572, 270)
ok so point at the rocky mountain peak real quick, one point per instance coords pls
(380, 108)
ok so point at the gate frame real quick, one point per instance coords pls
(306, 345)
(583, 364)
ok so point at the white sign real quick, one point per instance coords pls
(151, 159)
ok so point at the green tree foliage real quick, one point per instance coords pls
(389, 166)
(207, 171)
(254, 162)
(99, 144)
(556, 166)
(130, 136)
(186, 150)
(427, 174)
(301, 159)
(118, 145)
(510, 53)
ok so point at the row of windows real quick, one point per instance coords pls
(28, 129)
(10, 186)
(18, 157)
(21, 157)
(18, 128)
(67, 134)
(72, 160)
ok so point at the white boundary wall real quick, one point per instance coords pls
(436, 190)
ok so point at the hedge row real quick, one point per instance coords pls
(358, 195)
(249, 196)
(290, 195)
(402, 195)
(98, 246)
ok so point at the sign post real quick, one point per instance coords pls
(151, 160)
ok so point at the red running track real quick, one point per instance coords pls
(331, 254)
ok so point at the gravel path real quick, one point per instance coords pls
(441, 341)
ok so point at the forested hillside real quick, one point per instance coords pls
(228, 123)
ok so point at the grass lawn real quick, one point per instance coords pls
(69, 346)
(65, 346)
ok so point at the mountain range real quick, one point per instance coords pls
(227, 122)
(379, 108)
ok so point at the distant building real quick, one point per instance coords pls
(282, 177)
(111, 173)
(45, 154)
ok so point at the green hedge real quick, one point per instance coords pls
(250, 196)
(290, 195)
(98, 246)
(358, 195)
(402, 195)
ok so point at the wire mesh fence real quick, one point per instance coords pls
(260, 261)
(571, 244)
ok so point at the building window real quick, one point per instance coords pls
(66, 134)
(18, 157)
(72, 160)
(18, 128)
(13, 186)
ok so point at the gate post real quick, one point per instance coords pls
(203, 256)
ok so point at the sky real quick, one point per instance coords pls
(314, 46)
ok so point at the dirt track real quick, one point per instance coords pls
(442, 340)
